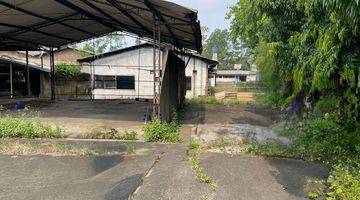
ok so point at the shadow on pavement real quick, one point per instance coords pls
(296, 175)
(125, 188)
(103, 163)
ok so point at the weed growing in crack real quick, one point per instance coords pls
(130, 149)
(194, 151)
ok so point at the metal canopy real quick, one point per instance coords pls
(30, 24)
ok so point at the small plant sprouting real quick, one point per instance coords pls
(130, 149)
(132, 135)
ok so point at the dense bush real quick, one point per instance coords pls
(308, 54)
(327, 104)
(157, 131)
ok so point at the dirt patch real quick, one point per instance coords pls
(236, 123)
(32, 103)
(207, 133)
(79, 118)
(252, 114)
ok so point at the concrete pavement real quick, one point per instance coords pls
(62, 177)
(162, 173)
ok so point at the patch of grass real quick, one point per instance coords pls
(26, 126)
(132, 135)
(104, 133)
(157, 131)
(111, 134)
(218, 144)
(194, 151)
(34, 148)
(270, 149)
(212, 101)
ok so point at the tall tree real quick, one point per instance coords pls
(229, 53)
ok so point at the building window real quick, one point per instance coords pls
(105, 82)
(126, 82)
(242, 78)
(188, 83)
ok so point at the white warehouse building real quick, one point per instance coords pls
(128, 73)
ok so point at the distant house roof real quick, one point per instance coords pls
(22, 63)
(235, 72)
(144, 45)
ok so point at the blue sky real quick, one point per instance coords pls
(211, 12)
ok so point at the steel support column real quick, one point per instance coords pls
(11, 81)
(157, 66)
(28, 74)
(52, 76)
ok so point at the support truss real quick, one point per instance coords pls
(157, 66)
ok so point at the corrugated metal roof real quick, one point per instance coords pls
(30, 24)
(23, 63)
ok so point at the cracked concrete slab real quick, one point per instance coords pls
(172, 178)
(258, 178)
(70, 177)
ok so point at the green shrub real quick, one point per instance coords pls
(271, 100)
(129, 135)
(326, 105)
(22, 127)
(67, 71)
(344, 182)
(158, 131)
(326, 140)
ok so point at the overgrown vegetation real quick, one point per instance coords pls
(308, 54)
(25, 125)
(56, 148)
(109, 133)
(68, 71)
(9, 147)
(157, 131)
